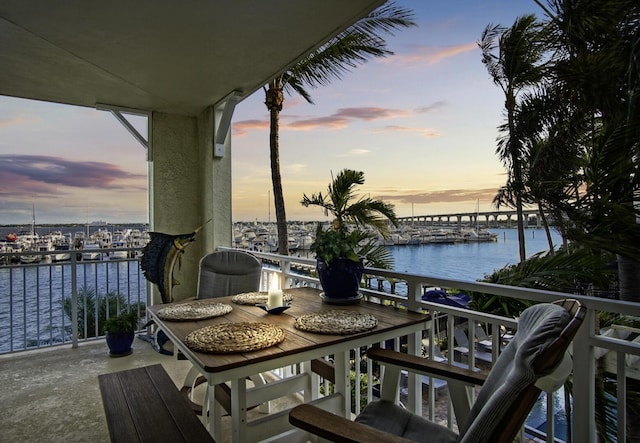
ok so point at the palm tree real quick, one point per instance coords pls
(357, 220)
(513, 58)
(330, 61)
(596, 76)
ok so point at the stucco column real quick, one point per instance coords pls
(189, 188)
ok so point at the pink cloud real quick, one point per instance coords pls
(331, 121)
(343, 116)
(424, 132)
(39, 174)
(243, 127)
(431, 55)
(443, 196)
(13, 121)
(338, 120)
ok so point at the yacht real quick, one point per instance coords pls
(91, 251)
(121, 253)
(62, 246)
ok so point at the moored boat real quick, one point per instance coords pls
(91, 251)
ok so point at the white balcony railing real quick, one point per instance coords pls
(592, 348)
(49, 302)
(32, 315)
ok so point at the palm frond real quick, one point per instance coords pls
(349, 49)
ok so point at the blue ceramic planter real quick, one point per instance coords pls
(341, 280)
(120, 343)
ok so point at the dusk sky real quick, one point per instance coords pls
(421, 124)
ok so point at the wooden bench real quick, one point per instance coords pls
(144, 405)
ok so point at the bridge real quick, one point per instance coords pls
(491, 219)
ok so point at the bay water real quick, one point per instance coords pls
(470, 261)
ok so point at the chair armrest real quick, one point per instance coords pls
(335, 428)
(424, 366)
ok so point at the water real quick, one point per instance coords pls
(32, 298)
(469, 261)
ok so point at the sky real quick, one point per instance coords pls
(421, 125)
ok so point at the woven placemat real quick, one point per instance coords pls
(256, 298)
(336, 322)
(234, 337)
(197, 310)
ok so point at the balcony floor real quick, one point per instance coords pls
(52, 395)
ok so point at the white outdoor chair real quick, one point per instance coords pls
(224, 273)
(535, 360)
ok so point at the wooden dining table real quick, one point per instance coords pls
(298, 347)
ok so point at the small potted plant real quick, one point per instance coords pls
(349, 244)
(120, 332)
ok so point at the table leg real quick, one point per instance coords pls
(312, 391)
(239, 409)
(215, 413)
(343, 385)
(414, 381)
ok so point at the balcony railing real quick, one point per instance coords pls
(614, 352)
(32, 315)
(56, 299)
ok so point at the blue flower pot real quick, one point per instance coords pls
(341, 280)
(120, 343)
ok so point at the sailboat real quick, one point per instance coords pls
(477, 234)
(29, 241)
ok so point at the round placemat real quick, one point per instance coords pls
(336, 322)
(197, 310)
(257, 298)
(234, 337)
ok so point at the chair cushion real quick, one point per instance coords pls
(538, 327)
(226, 273)
(388, 417)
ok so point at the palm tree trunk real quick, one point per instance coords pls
(629, 278)
(274, 100)
(517, 171)
(547, 231)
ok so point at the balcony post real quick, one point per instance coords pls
(74, 300)
(584, 425)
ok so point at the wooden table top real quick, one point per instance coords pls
(305, 300)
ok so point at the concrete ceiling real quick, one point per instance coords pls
(159, 55)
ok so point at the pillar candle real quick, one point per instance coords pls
(275, 298)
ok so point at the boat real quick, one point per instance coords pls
(103, 237)
(304, 242)
(121, 252)
(91, 251)
(27, 259)
(28, 241)
(478, 235)
(60, 246)
(399, 239)
(292, 244)
(442, 236)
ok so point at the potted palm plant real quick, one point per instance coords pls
(349, 244)
(120, 332)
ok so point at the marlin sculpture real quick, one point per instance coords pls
(158, 260)
(160, 256)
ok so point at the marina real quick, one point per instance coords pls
(28, 246)
(252, 236)
(47, 282)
